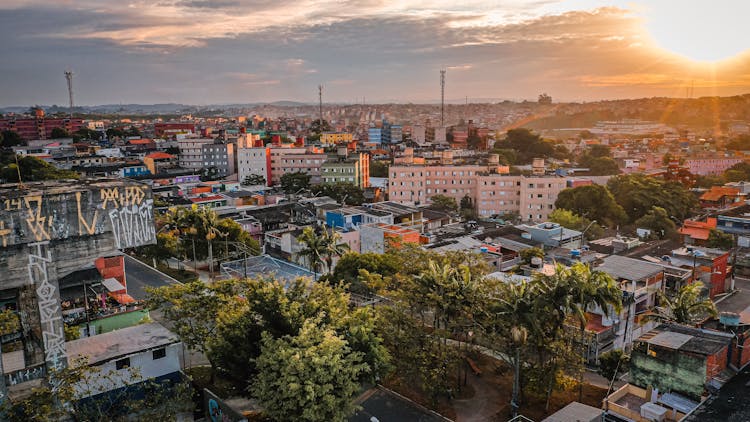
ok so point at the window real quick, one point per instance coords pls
(159, 353)
(122, 363)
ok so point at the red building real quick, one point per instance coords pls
(39, 127)
(160, 129)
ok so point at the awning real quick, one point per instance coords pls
(122, 298)
(113, 285)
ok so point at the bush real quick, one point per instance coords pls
(608, 362)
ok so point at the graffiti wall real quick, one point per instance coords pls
(123, 208)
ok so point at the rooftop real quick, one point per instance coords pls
(686, 339)
(729, 405)
(265, 265)
(622, 267)
(105, 347)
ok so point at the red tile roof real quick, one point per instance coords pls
(160, 156)
(207, 199)
(718, 192)
(140, 141)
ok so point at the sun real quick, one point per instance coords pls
(700, 30)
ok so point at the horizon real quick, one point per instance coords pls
(241, 52)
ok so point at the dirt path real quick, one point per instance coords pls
(487, 401)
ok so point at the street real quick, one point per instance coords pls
(139, 276)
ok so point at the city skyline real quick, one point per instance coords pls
(219, 52)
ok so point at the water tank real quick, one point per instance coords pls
(729, 319)
(536, 262)
(483, 249)
(526, 235)
(575, 253)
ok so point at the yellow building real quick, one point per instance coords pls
(332, 138)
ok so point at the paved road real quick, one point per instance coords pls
(139, 276)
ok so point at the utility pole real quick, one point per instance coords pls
(442, 98)
(69, 78)
(320, 105)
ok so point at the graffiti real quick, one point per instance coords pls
(50, 314)
(4, 233)
(134, 195)
(35, 220)
(109, 195)
(82, 223)
(24, 375)
(133, 225)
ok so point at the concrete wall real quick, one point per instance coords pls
(669, 371)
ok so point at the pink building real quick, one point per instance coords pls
(532, 197)
(274, 162)
(706, 166)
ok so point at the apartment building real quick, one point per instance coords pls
(532, 197)
(343, 168)
(191, 152)
(220, 156)
(333, 138)
(274, 162)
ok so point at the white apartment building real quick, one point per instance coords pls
(191, 152)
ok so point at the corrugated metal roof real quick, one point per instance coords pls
(119, 343)
(622, 267)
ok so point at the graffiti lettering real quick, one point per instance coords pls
(133, 225)
(4, 233)
(134, 195)
(50, 314)
(12, 204)
(82, 223)
(36, 221)
(110, 194)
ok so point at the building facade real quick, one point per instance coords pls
(220, 156)
(351, 169)
(191, 152)
(332, 138)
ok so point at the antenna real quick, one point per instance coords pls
(442, 97)
(69, 78)
(320, 105)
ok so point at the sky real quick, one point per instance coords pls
(235, 51)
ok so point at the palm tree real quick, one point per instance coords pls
(333, 248)
(209, 222)
(315, 249)
(687, 307)
(588, 289)
(516, 315)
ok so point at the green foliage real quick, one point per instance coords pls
(295, 182)
(599, 151)
(688, 306)
(507, 156)
(9, 322)
(637, 194)
(71, 332)
(709, 180)
(32, 169)
(601, 166)
(609, 362)
(253, 180)
(657, 220)
(740, 143)
(321, 248)
(11, 138)
(341, 191)
(115, 132)
(58, 133)
(348, 269)
(310, 376)
(379, 168)
(720, 240)
(443, 203)
(593, 202)
(738, 172)
(87, 134)
(526, 144)
(573, 221)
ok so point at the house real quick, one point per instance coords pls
(679, 359)
(554, 235)
(151, 349)
(709, 265)
(720, 197)
(697, 232)
(376, 237)
(639, 281)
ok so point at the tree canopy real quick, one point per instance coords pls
(657, 220)
(32, 169)
(570, 220)
(348, 192)
(526, 144)
(11, 138)
(593, 202)
(295, 182)
(443, 203)
(254, 179)
(638, 193)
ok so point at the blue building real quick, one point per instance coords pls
(375, 134)
(134, 171)
(392, 134)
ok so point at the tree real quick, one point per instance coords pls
(209, 173)
(295, 182)
(570, 220)
(349, 269)
(594, 202)
(720, 240)
(545, 99)
(526, 144)
(115, 132)
(58, 133)
(346, 192)
(321, 248)
(191, 309)
(443, 203)
(85, 133)
(688, 306)
(657, 220)
(738, 172)
(378, 168)
(254, 180)
(602, 166)
(311, 376)
(638, 193)
(613, 363)
(529, 253)
(31, 169)
(167, 246)
(11, 138)
(600, 151)
(281, 308)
